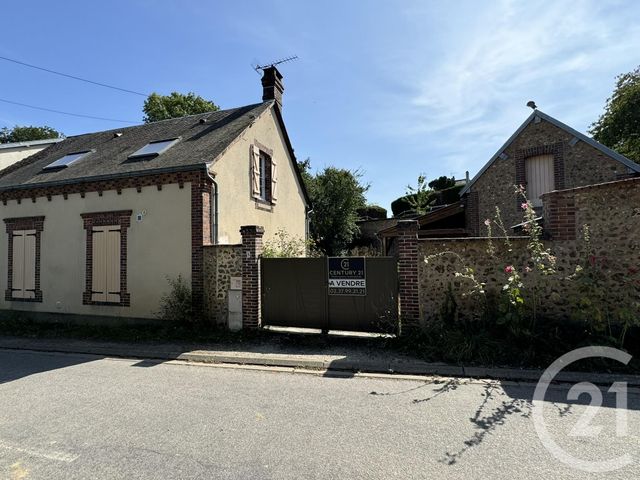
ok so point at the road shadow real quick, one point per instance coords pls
(499, 402)
(17, 364)
(352, 351)
(339, 355)
(487, 419)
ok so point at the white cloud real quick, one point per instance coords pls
(467, 99)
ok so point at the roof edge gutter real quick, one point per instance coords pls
(98, 178)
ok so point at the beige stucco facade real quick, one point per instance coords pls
(236, 207)
(170, 224)
(158, 246)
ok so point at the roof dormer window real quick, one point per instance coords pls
(67, 160)
(153, 149)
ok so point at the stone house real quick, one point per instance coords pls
(543, 155)
(96, 223)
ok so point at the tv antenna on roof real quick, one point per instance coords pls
(258, 67)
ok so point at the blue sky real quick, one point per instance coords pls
(393, 89)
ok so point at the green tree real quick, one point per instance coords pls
(305, 170)
(619, 126)
(372, 212)
(442, 183)
(336, 195)
(27, 133)
(161, 107)
(421, 197)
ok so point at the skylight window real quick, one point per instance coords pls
(67, 160)
(154, 148)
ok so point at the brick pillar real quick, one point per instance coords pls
(559, 215)
(251, 251)
(472, 214)
(408, 274)
(200, 236)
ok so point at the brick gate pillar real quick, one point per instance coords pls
(408, 275)
(251, 251)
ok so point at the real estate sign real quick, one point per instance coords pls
(347, 276)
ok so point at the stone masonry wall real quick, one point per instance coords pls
(580, 165)
(221, 262)
(612, 212)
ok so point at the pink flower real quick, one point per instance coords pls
(525, 205)
(508, 269)
(487, 222)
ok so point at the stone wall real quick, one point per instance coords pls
(576, 165)
(221, 262)
(612, 212)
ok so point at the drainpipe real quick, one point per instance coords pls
(214, 210)
(307, 223)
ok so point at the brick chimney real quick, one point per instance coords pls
(272, 87)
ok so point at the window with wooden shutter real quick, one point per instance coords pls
(23, 279)
(24, 264)
(106, 264)
(540, 177)
(106, 267)
(264, 180)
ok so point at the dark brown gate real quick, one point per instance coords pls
(295, 293)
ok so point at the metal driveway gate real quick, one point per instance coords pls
(363, 295)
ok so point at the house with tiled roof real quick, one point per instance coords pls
(97, 223)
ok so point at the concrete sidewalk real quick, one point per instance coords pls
(344, 358)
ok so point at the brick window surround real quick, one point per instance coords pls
(555, 149)
(103, 219)
(24, 223)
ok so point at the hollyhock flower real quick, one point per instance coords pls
(524, 206)
(487, 222)
(508, 269)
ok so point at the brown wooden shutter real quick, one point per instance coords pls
(274, 182)
(255, 172)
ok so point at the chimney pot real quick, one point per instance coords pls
(272, 86)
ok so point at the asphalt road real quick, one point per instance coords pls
(65, 416)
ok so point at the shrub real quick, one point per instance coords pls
(284, 245)
(372, 212)
(177, 305)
